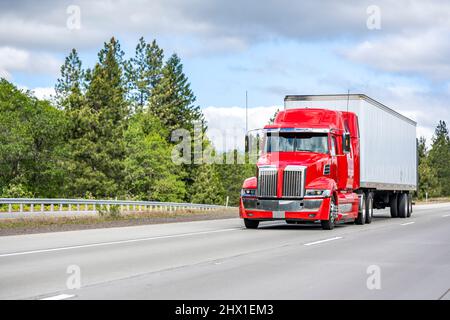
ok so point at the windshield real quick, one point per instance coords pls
(296, 142)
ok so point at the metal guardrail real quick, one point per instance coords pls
(89, 205)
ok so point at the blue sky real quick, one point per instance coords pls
(270, 48)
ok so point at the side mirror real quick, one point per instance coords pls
(246, 144)
(346, 142)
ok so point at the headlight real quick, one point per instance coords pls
(248, 192)
(317, 193)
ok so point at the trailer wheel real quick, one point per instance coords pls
(403, 205)
(329, 224)
(362, 211)
(410, 209)
(394, 206)
(251, 224)
(369, 207)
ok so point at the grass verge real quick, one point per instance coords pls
(433, 200)
(15, 226)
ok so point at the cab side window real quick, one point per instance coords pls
(333, 146)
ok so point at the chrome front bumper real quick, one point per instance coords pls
(281, 204)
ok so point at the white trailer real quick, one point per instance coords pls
(388, 144)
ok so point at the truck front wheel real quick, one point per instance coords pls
(362, 212)
(329, 224)
(369, 207)
(251, 224)
(403, 205)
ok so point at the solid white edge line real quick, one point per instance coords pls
(408, 223)
(322, 241)
(60, 297)
(115, 242)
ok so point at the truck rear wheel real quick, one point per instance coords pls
(362, 211)
(251, 224)
(393, 202)
(409, 205)
(369, 207)
(403, 206)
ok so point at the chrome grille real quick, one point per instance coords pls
(293, 181)
(267, 182)
(326, 169)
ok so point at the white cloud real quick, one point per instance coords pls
(426, 53)
(13, 59)
(4, 74)
(43, 93)
(226, 125)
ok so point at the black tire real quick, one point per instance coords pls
(251, 224)
(369, 207)
(393, 202)
(403, 205)
(329, 224)
(410, 209)
(362, 211)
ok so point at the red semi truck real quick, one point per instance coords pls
(332, 159)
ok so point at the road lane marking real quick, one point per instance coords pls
(60, 297)
(116, 242)
(446, 215)
(322, 241)
(408, 223)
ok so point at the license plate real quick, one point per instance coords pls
(278, 215)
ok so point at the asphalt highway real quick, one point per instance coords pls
(219, 259)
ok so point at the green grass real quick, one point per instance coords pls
(108, 217)
(433, 200)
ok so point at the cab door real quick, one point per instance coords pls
(342, 163)
(334, 151)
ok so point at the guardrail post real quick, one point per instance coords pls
(78, 207)
(60, 207)
(21, 207)
(94, 208)
(70, 207)
(51, 207)
(10, 208)
(42, 207)
(32, 207)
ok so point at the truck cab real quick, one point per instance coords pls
(307, 170)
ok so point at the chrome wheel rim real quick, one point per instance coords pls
(333, 211)
(363, 209)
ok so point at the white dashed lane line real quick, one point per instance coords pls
(116, 242)
(408, 223)
(322, 241)
(60, 297)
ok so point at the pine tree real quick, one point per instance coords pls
(172, 98)
(421, 149)
(70, 85)
(143, 72)
(439, 157)
(98, 147)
